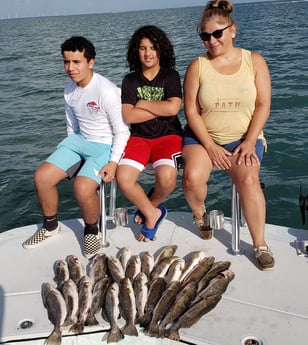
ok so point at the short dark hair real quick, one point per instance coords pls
(81, 44)
(160, 42)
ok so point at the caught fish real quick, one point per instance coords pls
(85, 301)
(128, 306)
(123, 255)
(165, 252)
(112, 313)
(217, 267)
(75, 267)
(191, 260)
(217, 285)
(192, 315)
(140, 286)
(175, 271)
(56, 309)
(115, 269)
(70, 295)
(97, 267)
(167, 299)
(147, 263)
(161, 267)
(98, 299)
(181, 303)
(133, 267)
(156, 289)
(61, 272)
(197, 272)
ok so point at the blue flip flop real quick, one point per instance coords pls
(150, 233)
(140, 215)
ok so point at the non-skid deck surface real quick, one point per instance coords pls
(271, 307)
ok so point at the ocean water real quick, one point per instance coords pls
(32, 114)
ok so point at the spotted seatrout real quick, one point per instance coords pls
(115, 269)
(147, 263)
(192, 315)
(98, 299)
(168, 297)
(70, 294)
(140, 285)
(61, 272)
(123, 255)
(112, 313)
(133, 267)
(128, 306)
(75, 267)
(56, 309)
(97, 268)
(85, 301)
(181, 303)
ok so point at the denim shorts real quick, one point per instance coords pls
(189, 138)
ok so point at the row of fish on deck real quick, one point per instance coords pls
(160, 294)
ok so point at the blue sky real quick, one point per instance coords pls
(34, 8)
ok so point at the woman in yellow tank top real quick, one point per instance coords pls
(227, 97)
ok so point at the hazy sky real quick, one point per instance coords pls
(33, 8)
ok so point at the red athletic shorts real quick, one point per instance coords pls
(166, 150)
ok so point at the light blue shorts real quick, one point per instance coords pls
(75, 154)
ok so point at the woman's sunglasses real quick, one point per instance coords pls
(205, 36)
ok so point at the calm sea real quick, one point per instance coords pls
(31, 100)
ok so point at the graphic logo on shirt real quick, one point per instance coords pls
(224, 104)
(150, 93)
(93, 107)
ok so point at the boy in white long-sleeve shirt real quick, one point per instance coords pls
(96, 139)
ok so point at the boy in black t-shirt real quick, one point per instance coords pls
(151, 100)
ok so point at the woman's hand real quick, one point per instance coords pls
(246, 152)
(219, 156)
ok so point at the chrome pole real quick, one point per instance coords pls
(103, 218)
(235, 221)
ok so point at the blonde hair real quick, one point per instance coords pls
(219, 9)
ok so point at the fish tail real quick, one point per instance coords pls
(173, 334)
(153, 330)
(54, 338)
(139, 320)
(161, 332)
(91, 321)
(115, 335)
(130, 329)
(76, 328)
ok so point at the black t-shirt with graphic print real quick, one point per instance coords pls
(166, 84)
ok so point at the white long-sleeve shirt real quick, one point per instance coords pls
(95, 112)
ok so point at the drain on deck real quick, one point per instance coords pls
(251, 340)
(25, 324)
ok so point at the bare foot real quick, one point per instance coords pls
(150, 225)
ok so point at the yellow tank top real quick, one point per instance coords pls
(227, 101)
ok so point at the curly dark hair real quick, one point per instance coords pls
(161, 43)
(81, 44)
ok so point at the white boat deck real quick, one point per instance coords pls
(271, 308)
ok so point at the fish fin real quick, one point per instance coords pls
(173, 334)
(115, 335)
(153, 330)
(91, 321)
(54, 338)
(130, 329)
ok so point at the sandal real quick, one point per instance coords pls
(150, 233)
(203, 226)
